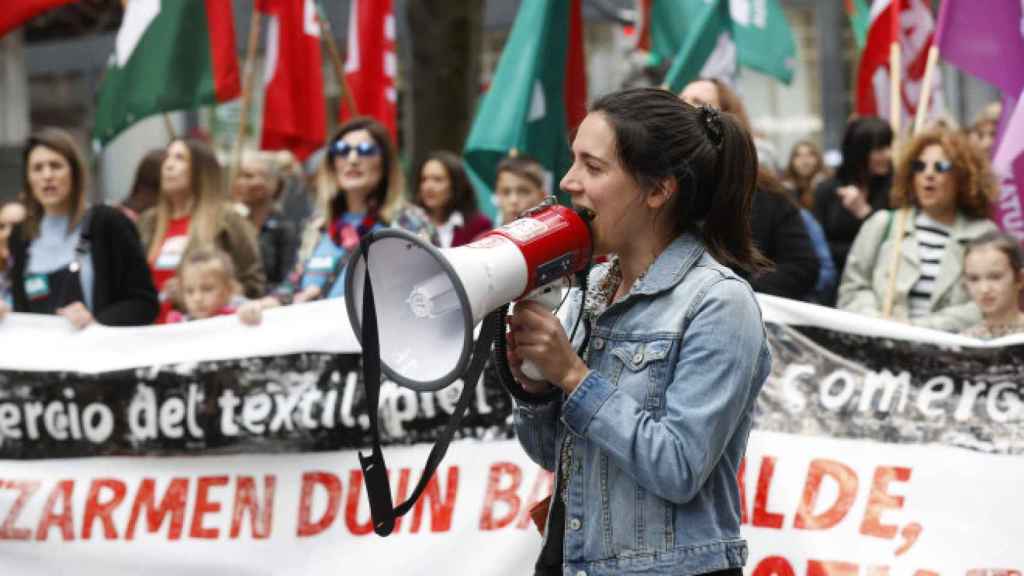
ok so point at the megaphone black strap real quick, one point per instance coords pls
(378, 489)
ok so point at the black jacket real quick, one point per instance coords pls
(122, 291)
(779, 233)
(839, 225)
(278, 247)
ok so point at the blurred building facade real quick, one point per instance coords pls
(50, 71)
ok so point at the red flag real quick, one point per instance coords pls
(371, 64)
(15, 13)
(294, 114)
(915, 29)
(575, 70)
(643, 24)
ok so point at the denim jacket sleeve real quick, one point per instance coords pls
(722, 361)
(537, 431)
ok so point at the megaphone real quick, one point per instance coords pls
(429, 300)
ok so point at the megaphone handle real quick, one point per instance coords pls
(549, 296)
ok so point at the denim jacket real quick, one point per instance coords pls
(660, 423)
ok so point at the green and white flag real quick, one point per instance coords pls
(688, 32)
(169, 55)
(524, 108)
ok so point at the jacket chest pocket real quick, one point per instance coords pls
(643, 370)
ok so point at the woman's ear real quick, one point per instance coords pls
(662, 193)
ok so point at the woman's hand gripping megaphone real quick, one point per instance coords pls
(539, 351)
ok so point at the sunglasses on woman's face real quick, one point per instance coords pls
(940, 166)
(364, 149)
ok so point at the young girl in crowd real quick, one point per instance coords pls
(805, 170)
(994, 276)
(208, 286)
(449, 200)
(519, 185)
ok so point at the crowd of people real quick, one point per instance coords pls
(900, 233)
(655, 399)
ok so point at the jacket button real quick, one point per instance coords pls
(638, 357)
(598, 343)
(575, 524)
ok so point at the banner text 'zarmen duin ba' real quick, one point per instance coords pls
(878, 449)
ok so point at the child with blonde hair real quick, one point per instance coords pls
(994, 277)
(209, 286)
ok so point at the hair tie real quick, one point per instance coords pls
(711, 121)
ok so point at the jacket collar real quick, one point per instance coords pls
(667, 270)
(962, 230)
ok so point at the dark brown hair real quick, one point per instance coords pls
(463, 197)
(729, 101)
(390, 183)
(709, 155)
(863, 135)
(146, 187)
(523, 166)
(61, 142)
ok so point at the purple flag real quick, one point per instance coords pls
(1009, 167)
(985, 39)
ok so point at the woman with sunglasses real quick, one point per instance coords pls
(943, 187)
(359, 190)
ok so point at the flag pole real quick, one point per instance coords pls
(249, 70)
(336, 63)
(171, 134)
(895, 114)
(926, 89)
(895, 100)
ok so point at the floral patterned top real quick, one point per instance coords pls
(986, 332)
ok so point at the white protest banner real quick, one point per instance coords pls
(216, 448)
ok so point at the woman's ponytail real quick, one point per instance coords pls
(733, 177)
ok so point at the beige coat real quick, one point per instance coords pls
(235, 236)
(866, 276)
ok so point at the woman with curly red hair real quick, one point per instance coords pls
(940, 199)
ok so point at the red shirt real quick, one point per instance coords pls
(165, 266)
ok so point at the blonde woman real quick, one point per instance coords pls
(360, 190)
(192, 211)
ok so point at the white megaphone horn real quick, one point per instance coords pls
(429, 300)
